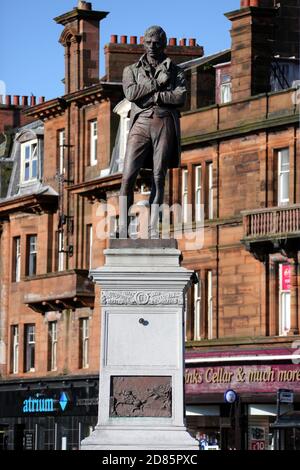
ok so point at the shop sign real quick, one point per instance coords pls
(230, 396)
(286, 396)
(28, 440)
(41, 404)
(258, 445)
(257, 438)
(242, 378)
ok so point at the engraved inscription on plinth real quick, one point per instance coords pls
(141, 396)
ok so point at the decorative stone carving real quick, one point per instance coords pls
(141, 298)
(141, 396)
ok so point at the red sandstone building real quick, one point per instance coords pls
(240, 147)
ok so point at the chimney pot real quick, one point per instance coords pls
(8, 100)
(123, 39)
(114, 38)
(41, 99)
(192, 42)
(133, 39)
(84, 5)
(182, 42)
(16, 100)
(245, 3)
(32, 100)
(24, 100)
(172, 41)
(142, 40)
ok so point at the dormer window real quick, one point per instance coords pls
(223, 83)
(29, 161)
(225, 89)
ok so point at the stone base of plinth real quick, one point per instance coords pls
(141, 384)
(140, 438)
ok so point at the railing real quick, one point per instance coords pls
(273, 221)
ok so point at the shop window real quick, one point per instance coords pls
(93, 142)
(29, 352)
(16, 274)
(15, 349)
(84, 343)
(284, 299)
(29, 161)
(283, 160)
(31, 255)
(52, 337)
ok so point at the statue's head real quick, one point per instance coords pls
(155, 41)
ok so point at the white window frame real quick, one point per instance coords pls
(209, 305)
(283, 176)
(61, 253)
(29, 161)
(15, 349)
(225, 92)
(29, 344)
(61, 151)
(32, 250)
(198, 193)
(89, 233)
(85, 342)
(184, 194)
(210, 191)
(53, 344)
(197, 310)
(284, 306)
(17, 259)
(93, 142)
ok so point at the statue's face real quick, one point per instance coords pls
(154, 45)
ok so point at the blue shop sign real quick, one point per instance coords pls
(42, 404)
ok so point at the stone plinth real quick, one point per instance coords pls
(141, 386)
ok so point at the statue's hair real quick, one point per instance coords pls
(156, 30)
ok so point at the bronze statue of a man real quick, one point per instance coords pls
(156, 87)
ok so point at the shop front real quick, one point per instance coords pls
(232, 398)
(47, 414)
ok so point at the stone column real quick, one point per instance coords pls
(141, 383)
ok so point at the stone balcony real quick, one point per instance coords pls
(271, 230)
(59, 291)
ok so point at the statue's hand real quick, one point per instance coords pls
(163, 78)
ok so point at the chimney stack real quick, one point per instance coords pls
(252, 33)
(80, 38)
(120, 54)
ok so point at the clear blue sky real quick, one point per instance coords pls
(31, 59)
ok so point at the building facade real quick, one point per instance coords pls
(239, 189)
